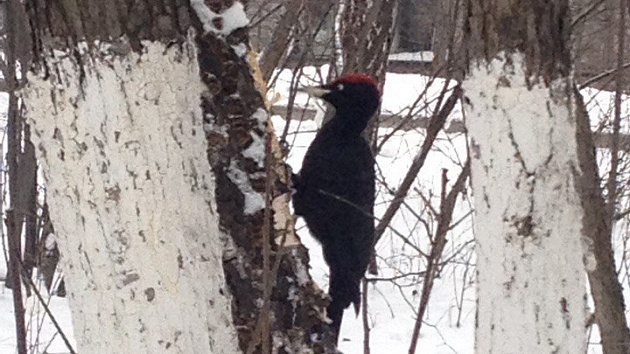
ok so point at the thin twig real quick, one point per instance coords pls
(611, 186)
(266, 239)
(365, 317)
(435, 125)
(582, 16)
(14, 217)
(447, 206)
(603, 75)
(40, 298)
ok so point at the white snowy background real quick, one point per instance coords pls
(449, 322)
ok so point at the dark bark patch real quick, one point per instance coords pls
(150, 294)
(524, 226)
(228, 107)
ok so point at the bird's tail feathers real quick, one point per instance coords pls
(344, 290)
(357, 306)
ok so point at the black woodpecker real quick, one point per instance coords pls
(334, 190)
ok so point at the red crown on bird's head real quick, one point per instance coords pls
(356, 78)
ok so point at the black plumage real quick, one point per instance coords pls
(334, 191)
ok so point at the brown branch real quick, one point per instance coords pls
(435, 125)
(53, 319)
(447, 206)
(611, 185)
(14, 217)
(605, 74)
(364, 317)
(15, 280)
(266, 239)
(605, 287)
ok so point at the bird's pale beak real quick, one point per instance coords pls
(316, 91)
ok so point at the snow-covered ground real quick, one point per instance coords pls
(41, 332)
(393, 298)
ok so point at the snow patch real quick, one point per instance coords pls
(300, 270)
(240, 49)
(262, 117)
(254, 201)
(51, 243)
(223, 23)
(426, 56)
(256, 150)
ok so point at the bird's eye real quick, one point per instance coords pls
(340, 87)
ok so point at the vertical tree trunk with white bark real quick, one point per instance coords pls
(120, 138)
(521, 116)
(153, 143)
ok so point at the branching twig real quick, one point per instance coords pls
(40, 298)
(611, 186)
(603, 75)
(435, 125)
(586, 12)
(447, 206)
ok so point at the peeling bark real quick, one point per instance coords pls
(238, 124)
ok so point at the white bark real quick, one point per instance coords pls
(132, 198)
(531, 285)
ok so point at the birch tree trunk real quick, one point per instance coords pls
(153, 144)
(522, 119)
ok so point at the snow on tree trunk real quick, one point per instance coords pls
(531, 280)
(121, 142)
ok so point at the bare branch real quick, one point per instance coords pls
(447, 206)
(435, 125)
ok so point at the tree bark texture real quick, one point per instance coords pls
(119, 97)
(537, 28)
(237, 128)
(541, 30)
(119, 139)
(528, 218)
(366, 35)
(526, 173)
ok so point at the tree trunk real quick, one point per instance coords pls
(525, 172)
(15, 214)
(132, 200)
(599, 259)
(28, 203)
(119, 98)
(366, 35)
